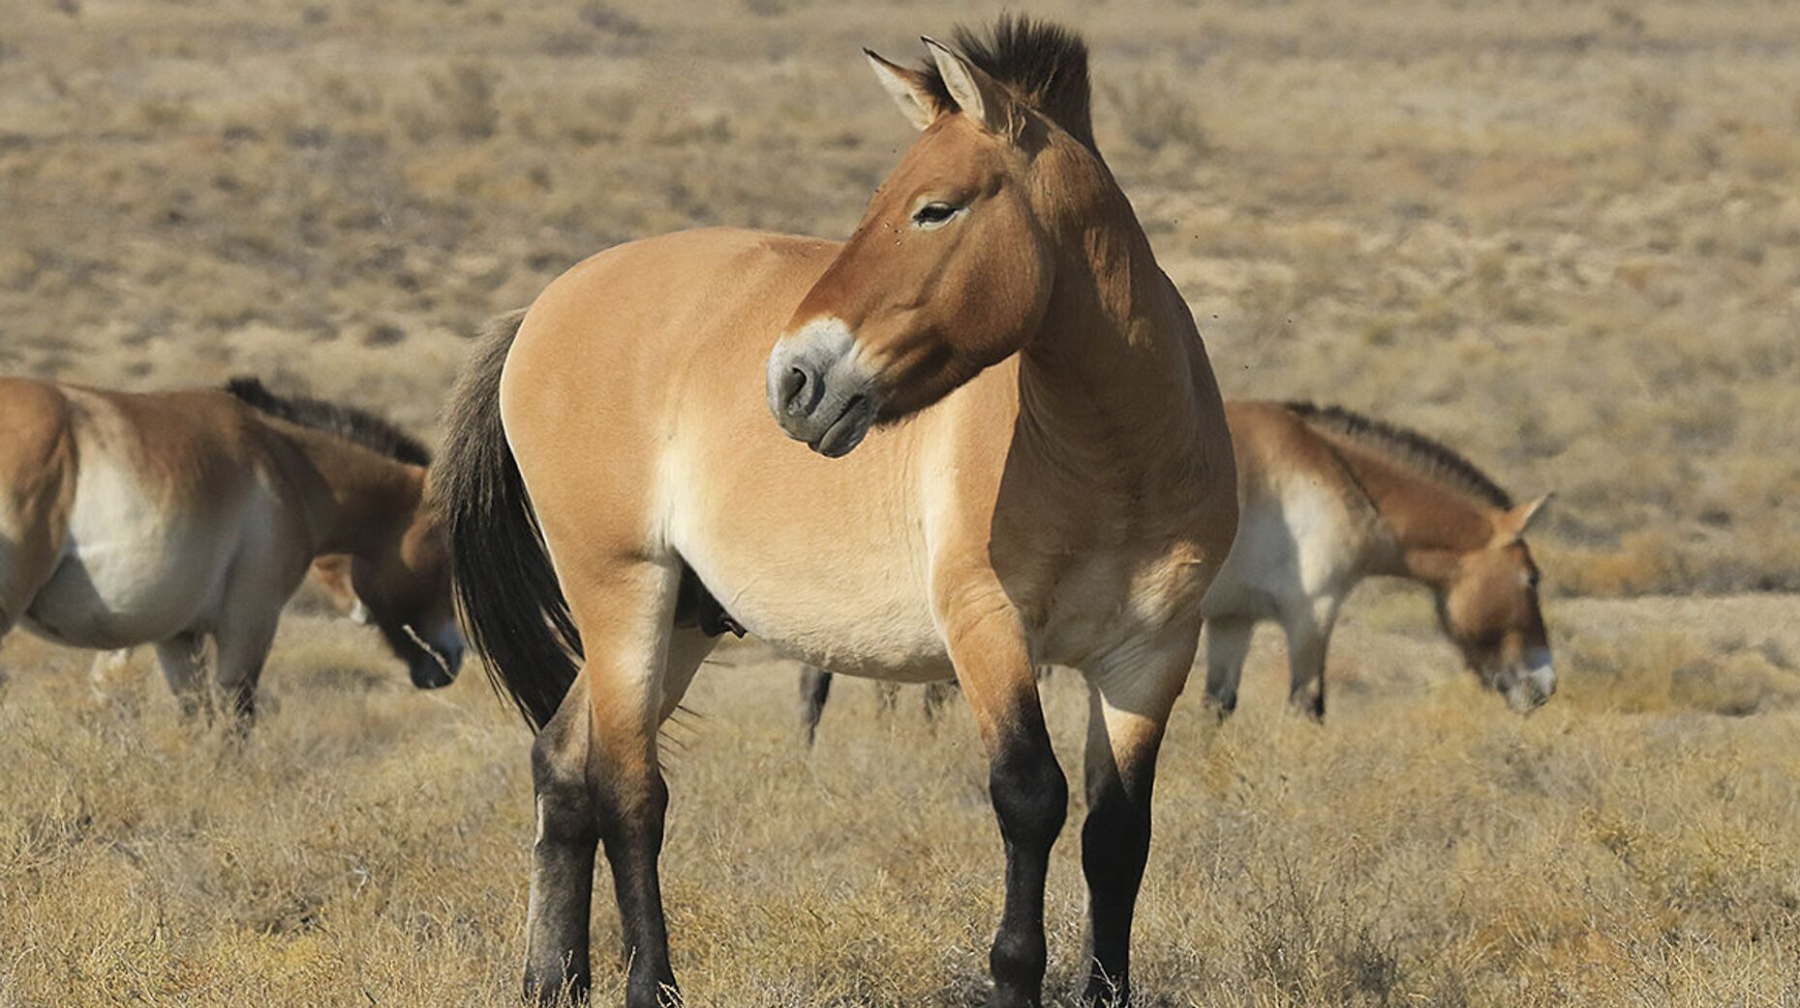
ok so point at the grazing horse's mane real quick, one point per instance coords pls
(1045, 66)
(352, 424)
(1418, 453)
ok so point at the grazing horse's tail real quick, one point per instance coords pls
(512, 606)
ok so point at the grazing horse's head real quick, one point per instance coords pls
(950, 269)
(405, 588)
(1489, 607)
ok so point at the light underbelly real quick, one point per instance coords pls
(851, 597)
(133, 572)
(112, 598)
(852, 618)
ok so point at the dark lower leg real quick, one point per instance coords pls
(1115, 844)
(631, 817)
(1031, 799)
(562, 870)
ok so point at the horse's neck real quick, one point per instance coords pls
(359, 500)
(1116, 381)
(1420, 527)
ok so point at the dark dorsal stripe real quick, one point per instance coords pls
(352, 424)
(1415, 451)
(1042, 64)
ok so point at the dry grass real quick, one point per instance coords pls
(1563, 237)
(1624, 846)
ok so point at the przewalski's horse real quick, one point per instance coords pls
(1329, 497)
(169, 518)
(1063, 492)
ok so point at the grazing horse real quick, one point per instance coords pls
(1061, 490)
(1327, 497)
(173, 517)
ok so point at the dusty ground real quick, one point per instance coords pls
(1564, 237)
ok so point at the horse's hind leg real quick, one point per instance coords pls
(815, 689)
(597, 776)
(1128, 708)
(183, 661)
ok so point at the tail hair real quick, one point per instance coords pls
(512, 606)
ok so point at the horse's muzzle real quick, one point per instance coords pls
(436, 661)
(819, 390)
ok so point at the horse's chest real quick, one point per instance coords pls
(1094, 601)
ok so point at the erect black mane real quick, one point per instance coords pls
(1044, 65)
(1417, 452)
(348, 422)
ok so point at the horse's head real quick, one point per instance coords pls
(405, 590)
(950, 269)
(1489, 607)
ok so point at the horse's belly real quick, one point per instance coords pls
(132, 572)
(858, 620)
(853, 600)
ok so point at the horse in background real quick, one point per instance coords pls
(179, 518)
(1326, 498)
(1329, 497)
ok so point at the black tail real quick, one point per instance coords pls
(512, 606)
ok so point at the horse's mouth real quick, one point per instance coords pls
(848, 430)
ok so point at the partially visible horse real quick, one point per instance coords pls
(1060, 491)
(1326, 498)
(171, 518)
(1329, 497)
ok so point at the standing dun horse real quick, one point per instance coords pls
(175, 517)
(1330, 497)
(1061, 491)
(1326, 498)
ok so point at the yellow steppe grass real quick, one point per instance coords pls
(1629, 844)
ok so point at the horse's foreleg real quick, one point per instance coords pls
(243, 643)
(597, 776)
(1128, 708)
(1227, 645)
(1029, 792)
(1308, 637)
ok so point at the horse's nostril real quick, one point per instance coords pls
(793, 392)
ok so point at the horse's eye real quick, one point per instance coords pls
(933, 214)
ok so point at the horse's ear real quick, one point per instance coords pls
(970, 87)
(1517, 520)
(907, 88)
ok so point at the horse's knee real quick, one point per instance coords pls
(1029, 791)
